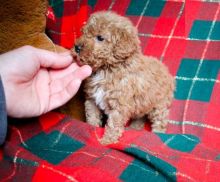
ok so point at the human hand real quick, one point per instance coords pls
(36, 81)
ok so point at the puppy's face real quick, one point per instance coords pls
(107, 40)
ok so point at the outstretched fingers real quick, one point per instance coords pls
(48, 59)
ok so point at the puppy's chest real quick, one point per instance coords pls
(97, 89)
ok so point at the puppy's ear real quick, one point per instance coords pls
(125, 44)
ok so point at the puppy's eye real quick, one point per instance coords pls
(99, 38)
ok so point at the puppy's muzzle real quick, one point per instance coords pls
(78, 48)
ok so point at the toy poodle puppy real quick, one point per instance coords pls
(125, 84)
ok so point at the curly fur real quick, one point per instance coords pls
(125, 84)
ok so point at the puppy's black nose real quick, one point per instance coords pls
(78, 48)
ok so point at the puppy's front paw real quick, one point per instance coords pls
(159, 127)
(159, 130)
(107, 140)
(95, 122)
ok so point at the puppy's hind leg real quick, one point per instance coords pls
(93, 114)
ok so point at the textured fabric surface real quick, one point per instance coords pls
(64, 20)
(184, 35)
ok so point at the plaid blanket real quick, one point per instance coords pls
(184, 35)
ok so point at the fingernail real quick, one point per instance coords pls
(67, 53)
(68, 57)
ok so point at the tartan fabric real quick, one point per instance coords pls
(64, 20)
(184, 35)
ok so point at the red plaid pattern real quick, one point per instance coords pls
(184, 36)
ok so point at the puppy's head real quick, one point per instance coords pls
(107, 40)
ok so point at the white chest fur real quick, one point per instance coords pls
(98, 90)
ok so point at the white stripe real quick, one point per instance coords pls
(142, 13)
(173, 37)
(172, 31)
(211, 1)
(197, 79)
(61, 134)
(111, 5)
(10, 177)
(199, 124)
(69, 177)
(20, 136)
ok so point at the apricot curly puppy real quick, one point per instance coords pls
(125, 84)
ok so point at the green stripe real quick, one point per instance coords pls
(92, 3)
(200, 30)
(202, 90)
(21, 161)
(58, 7)
(154, 7)
(183, 143)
